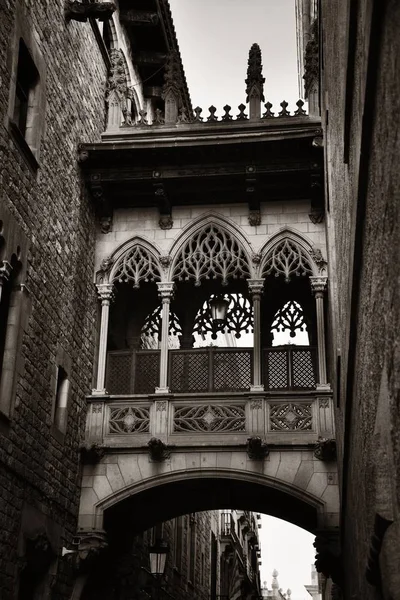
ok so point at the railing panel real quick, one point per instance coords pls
(232, 370)
(290, 367)
(189, 371)
(132, 372)
(209, 418)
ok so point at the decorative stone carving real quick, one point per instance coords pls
(209, 418)
(137, 265)
(183, 116)
(159, 117)
(291, 416)
(129, 419)
(172, 88)
(161, 406)
(328, 560)
(325, 449)
(319, 260)
(256, 258)
(92, 453)
(254, 81)
(318, 284)
(5, 272)
(242, 116)
(226, 116)
(287, 258)
(212, 116)
(82, 11)
(158, 450)
(197, 114)
(300, 112)
(106, 264)
(254, 218)
(142, 120)
(211, 253)
(106, 224)
(257, 449)
(239, 318)
(268, 113)
(83, 153)
(316, 215)
(284, 112)
(311, 60)
(256, 404)
(117, 92)
(166, 222)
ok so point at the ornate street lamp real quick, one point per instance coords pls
(219, 309)
(158, 557)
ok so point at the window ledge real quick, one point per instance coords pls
(23, 146)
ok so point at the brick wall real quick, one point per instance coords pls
(39, 469)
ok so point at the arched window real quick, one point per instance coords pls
(150, 335)
(286, 259)
(211, 253)
(136, 265)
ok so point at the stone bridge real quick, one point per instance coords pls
(268, 452)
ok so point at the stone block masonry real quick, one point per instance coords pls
(39, 469)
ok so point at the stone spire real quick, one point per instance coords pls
(255, 82)
(275, 584)
(172, 88)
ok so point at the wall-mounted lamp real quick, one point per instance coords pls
(219, 309)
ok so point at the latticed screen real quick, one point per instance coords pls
(189, 371)
(276, 369)
(232, 371)
(303, 368)
(119, 373)
(147, 372)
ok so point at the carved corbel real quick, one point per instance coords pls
(257, 449)
(92, 453)
(158, 450)
(327, 559)
(325, 449)
(164, 206)
(82, 11)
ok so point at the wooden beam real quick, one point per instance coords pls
(139, 18)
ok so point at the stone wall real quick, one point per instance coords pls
(274, 217)
(363, 237)
(49, 214)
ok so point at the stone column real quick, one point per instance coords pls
(165, 292)
(318, 286)
(5, 274)
(105, 292)
(256, 287)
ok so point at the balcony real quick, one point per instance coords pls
(211, 370)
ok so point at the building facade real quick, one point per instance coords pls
(353, 54)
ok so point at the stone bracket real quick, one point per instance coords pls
(325, 449)
(158, 450)
(82, 11)
(257, 448)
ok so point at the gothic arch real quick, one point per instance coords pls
(287, 253)
(135, 261)
(227, 251)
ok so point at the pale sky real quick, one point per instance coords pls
(214, 38)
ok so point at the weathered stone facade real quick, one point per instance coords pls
(45, 210)
(360, 91)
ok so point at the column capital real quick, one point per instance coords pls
(165, 289)
(318, 284)
(5, 271)
(105, 292)
(256, 286)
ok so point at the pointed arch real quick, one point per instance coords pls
(289, 254)
(211, 248)
(135, 261)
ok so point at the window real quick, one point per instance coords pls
(61, 402)
(25, 110)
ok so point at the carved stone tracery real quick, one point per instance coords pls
(239, 318)
(287, 258)
(137, 265)
(211, 253)
(289, 317)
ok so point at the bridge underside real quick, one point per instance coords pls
(129, 490)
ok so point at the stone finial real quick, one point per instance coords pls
(268, 113)
(197, 114)
(212, 116)
(226, 116)
(255, 82)
(117, 92)
(241, 116)
(284, 112)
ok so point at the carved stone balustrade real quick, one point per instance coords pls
(215, 419)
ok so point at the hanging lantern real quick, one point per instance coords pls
(158, 557)
(219, 310)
